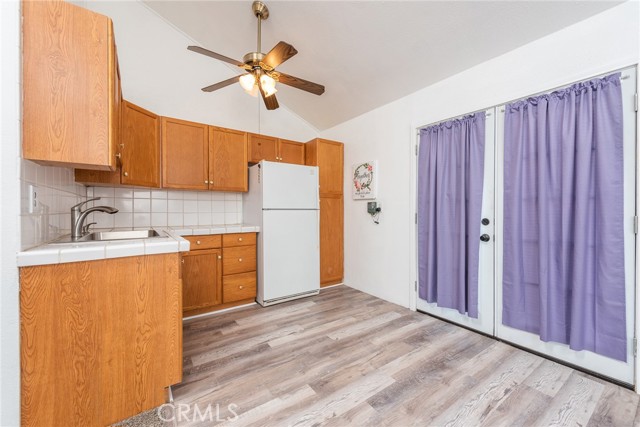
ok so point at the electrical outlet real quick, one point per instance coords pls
(373, 208)
(33, 198)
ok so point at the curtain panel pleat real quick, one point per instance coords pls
(450, 182)
(563, 264)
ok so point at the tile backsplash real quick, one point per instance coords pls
(49, 216)
(144, 207)
(56, 192)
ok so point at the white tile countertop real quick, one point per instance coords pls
(58, 253)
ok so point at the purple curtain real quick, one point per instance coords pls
(450, 178)
(563, 217)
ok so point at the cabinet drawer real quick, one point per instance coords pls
(238, 260)
(238, 239)
(204, 242)
(236, 287)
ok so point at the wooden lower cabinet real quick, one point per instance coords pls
(237, 287)
(219, 272)
(201, 278)
(331, 240)
(100, 340)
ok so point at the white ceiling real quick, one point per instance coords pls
(369, 53)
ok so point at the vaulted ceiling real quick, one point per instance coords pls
(369, 53)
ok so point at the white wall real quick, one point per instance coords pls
(9, 212)
(377, 257)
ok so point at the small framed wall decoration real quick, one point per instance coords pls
(365, 180)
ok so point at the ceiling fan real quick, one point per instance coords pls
(261, 75)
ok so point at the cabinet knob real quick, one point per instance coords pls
(182, 260)
(239, 239)
(219, 256)
(240, 287)
(239, 259)
(197, 242)
(125, 173)
(206, 182)
(118, 156)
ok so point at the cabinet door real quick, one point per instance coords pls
(99, 331)
(201, 279)
(329, 157)
(227, 160)
(291, 151)
(68, 86)
(238, 287)
(330, 160)
(262, 147)
(140, 146)
(239, 259)
(331, 240)
(185, 153)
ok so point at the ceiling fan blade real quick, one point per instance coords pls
(217, 56)
(269, 101)
(221, 84)
(299, 83)
(280, 53)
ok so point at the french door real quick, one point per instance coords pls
(490, 302)
(485, 321)
(622, 371)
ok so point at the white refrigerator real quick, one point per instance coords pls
(283, 200)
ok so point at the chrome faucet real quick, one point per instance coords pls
(78, 216)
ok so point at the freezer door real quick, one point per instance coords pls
(287, 186)
(290, 253)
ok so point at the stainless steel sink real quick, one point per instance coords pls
(99, 236)
(102, 236)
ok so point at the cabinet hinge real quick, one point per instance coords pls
(415, 286)
(635, 224)
(417, 146)
(635, 346)
(635, 102)
(416, 218)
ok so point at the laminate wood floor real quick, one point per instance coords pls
(347, 358)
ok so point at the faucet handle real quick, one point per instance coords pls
(85, 228)
(79, 205)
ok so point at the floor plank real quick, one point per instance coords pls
(346, 358)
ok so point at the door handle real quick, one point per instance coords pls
(485, 237)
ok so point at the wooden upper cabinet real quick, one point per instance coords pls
(291, 151)
(185, 154)
(329, 156)
(70, 86)
(140, 150)
(227, 160)
(140, 146)
(262, 147)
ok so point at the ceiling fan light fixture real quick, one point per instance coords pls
(248, 82)
(261, 75)
(268, 85)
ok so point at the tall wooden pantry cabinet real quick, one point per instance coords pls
(329, 157)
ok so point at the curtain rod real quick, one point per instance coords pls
(624, 77)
